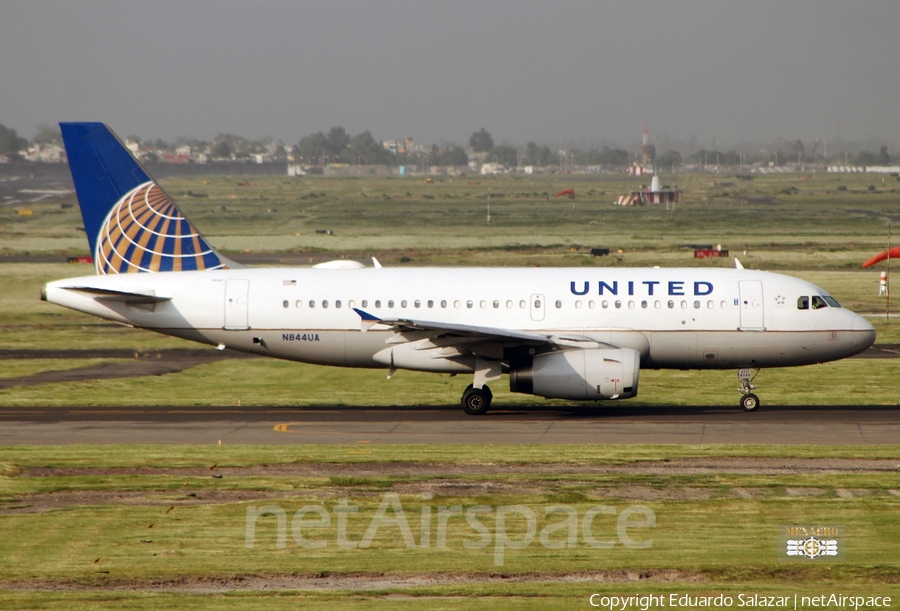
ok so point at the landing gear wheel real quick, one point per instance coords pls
(750, 402)
(476, 401)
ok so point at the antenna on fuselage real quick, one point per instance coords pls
(737, 264)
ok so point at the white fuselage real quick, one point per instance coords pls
(675, 318)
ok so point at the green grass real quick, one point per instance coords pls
(707, 538)
(265, 382)
(818, 227)
(716, 540)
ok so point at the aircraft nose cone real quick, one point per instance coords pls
(863, 333)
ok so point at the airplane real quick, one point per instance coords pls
(567, 333)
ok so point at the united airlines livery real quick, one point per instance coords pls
(578, 334)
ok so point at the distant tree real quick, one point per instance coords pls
(452, 156)
(651, 153)
(531, 154)
(540, 156)
(312, 149)
(222, 149)
(547, 157)
(47, 134)
(616, 157)
(337, 141)
(866, 158)
(481, 141)
(883, 158)
(504, 155)
(669, 159)
(365, 149)
(10, 142)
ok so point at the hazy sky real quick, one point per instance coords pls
(551, 72)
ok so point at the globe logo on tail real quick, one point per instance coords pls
(145, 232)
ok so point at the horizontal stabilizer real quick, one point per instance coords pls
(119, 296)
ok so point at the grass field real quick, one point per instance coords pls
(147, 527)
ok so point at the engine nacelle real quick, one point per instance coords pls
(601, 373)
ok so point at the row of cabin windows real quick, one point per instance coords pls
(510, 304)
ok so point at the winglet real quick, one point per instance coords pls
(367, 321)
(376, 263)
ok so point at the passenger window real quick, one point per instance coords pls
(724, 304)
(630, 305)
(578, 304)
(443, 303)
(671, 304)
(377, 303)
(558, 304)
(644, 304)
(591, 304)
(403, 304)
(509, 304)
(470, 304)
(657, 304)
(299, 304)
(684, 305)
(337, 303)
(496, 304)
(537, 303)
(818, 302)
(696, 305)
(417, 303)
(604, 304)
(390, 303)
(456, 304)
(365, 303)
(351, 304)
(312, 303)
(710, 305)
(324, 303)
(285, 304)
(522, 304)
(482, 304)
(803, 303)
(618, 304)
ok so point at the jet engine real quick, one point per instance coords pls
(593, 374)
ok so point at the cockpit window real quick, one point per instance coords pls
(818, 302)
(803, 303)
(831, 301)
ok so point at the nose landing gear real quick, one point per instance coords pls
(749, 401)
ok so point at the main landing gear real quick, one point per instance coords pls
(749, 401)
(476, 401)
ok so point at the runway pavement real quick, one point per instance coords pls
(366, 427)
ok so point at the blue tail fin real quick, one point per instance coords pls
(132, 225)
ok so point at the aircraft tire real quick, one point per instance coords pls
(476, 401)
(750, 402)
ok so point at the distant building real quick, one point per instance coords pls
(47, 153)
(492, 168)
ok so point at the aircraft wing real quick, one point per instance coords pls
(496, 334)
